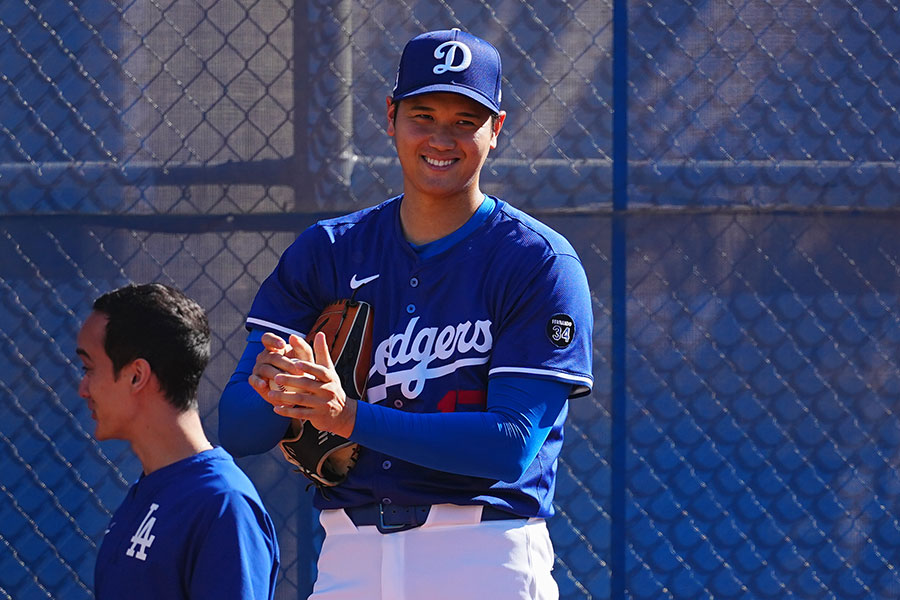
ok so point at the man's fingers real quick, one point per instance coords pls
(300, 349)
(269, 369)
(273, 343)
(323, 356)
(309, 382)
(278, 363)
(276, 353)
(285, 396)
(258, 384)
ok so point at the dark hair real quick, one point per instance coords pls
(164, 327)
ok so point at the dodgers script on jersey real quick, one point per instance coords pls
(510, 298)
(193, 529)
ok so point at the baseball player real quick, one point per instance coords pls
(481, 334)
(193, 526)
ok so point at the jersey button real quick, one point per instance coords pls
(398, 403)
(386, 500)
(410, 308)
(414, 282)
(386, 465)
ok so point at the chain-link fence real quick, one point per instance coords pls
(736, 216)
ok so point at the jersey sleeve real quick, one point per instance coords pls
(286, 301)
(238, 557)
(547, 331)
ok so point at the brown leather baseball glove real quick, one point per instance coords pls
(323, 457)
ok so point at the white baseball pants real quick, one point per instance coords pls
(453, 556)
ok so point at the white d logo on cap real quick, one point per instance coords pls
(449, 56)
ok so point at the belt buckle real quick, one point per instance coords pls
(389, 528)
(411, 520)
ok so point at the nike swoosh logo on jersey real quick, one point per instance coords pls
(358, 283)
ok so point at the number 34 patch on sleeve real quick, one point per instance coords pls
(561, 330)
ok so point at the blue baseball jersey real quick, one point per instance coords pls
(509, 299)
(193, 529)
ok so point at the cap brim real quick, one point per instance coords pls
(453, 89)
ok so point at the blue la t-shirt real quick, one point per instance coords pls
(193, 529)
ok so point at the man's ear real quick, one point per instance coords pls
(140, 374)
(391, 115)
(497, 126)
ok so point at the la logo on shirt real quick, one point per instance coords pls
(142, 538)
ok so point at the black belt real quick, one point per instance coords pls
(391, 518)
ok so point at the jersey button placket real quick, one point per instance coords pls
(413, 283)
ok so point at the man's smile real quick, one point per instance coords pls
(439, 163)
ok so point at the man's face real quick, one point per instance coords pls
(442, 142)
(107, 396)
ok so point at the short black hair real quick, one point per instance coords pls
(163, 326)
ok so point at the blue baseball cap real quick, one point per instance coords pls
(450, 61)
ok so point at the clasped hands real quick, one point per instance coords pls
(300, 382)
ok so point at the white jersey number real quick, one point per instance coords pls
(141, 540)
(562, 335)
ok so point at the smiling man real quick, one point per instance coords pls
(442, 141)
(481, 332)
(193, 526)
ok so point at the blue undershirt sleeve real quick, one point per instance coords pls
(497, 444)
(247, 424)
